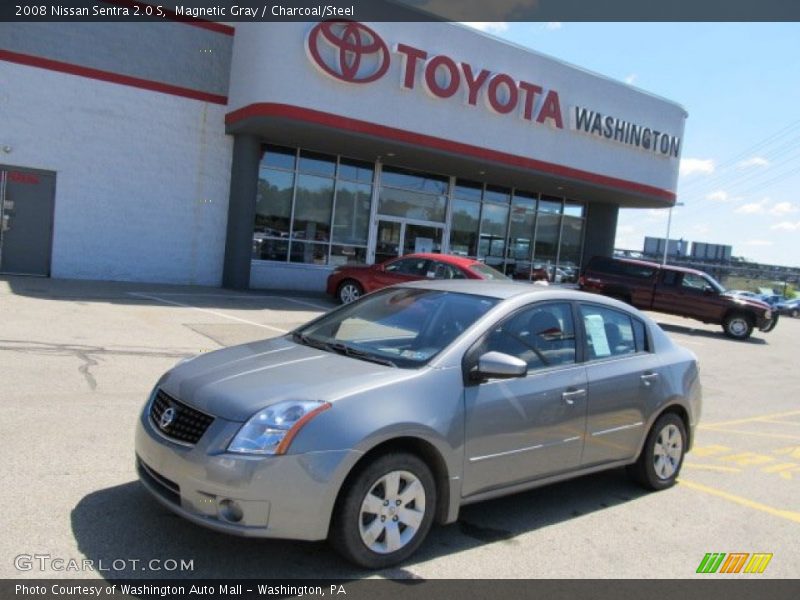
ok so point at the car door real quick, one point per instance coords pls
(529, 427)
(625, 380)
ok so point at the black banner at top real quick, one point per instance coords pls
(400, 10)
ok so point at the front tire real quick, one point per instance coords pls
(349, 291)
(737, 326)
(661, 459)
(385, 512)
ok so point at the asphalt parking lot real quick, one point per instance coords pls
(77, 360)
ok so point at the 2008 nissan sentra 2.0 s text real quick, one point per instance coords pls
(373, 421)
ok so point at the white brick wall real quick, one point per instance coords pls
(142, 177)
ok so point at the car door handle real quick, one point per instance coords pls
(648, 378)
(569, 396)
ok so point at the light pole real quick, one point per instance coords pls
(669, 225)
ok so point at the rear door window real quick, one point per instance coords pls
(611, 333)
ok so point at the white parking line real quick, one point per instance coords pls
(243, 297)
(205, 310)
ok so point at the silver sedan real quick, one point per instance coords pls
(380, 417)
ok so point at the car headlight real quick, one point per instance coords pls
(271, 430)
(768, 314)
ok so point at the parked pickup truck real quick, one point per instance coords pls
(677, 291)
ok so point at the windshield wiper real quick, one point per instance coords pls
(302, 338)
(360, 354)
(340, 348)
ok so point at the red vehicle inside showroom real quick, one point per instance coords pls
(349, 283)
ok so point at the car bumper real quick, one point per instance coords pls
(767, 325)
(289, 496)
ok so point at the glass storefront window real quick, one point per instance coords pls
(548, 204)
(573, 209)
(312, 208)
(412, 180)
(523, 220)
(464, 228)
(495, 193)
(351, 217)
(319, 164)
(304, 252)
(348, 255)
(412, 205)
(468, 190)
(546, 247)
(278, 157)
(356, 170)
(492, 246)
(569, 258)
(274, 203)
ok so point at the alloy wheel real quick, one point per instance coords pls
(392, 512)
(667, 452)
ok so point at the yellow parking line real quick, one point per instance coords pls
(712, 468)
(779, 422)
(789, 515)
(751, 419)
(778, 436)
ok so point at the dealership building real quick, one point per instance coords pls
(264, 155)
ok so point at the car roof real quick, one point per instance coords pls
(645, 263)
(503, 290)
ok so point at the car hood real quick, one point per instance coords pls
(234, 383)
(751, 302)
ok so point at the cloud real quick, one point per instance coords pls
(690, 166)
(718, 196)
(753, 208)
(630, 79)
(488, 27)
(783, 208)
(787, 226)
(755, 161)
(554, 25)
(758, 243)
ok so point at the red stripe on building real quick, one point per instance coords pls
(145, 84)
(307, 115)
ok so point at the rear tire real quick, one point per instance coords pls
(385, 512)
(737, 326)
(349, 291)
(661, 459)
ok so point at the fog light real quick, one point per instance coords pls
(230, 510)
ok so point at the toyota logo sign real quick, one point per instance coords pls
(348, 51)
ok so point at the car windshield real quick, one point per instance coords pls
(402, 327)
(716, 285)
(487, 272)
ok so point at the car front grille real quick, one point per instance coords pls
(177, 421)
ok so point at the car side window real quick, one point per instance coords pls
(442, 270)
(409, 266)
(611, 332)
(669, 277)
(693, 283)
(542, 335)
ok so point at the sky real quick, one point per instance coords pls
(740, 161)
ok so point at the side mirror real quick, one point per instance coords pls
(497, 365)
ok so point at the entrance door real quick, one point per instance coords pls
(26, 220)
(398, 237)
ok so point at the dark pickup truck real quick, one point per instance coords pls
(677, 291)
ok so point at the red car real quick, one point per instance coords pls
(348, 283)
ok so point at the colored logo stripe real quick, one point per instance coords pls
(758, 563)
(713, 562)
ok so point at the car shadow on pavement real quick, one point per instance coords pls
(717, 335)
(122, 529)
